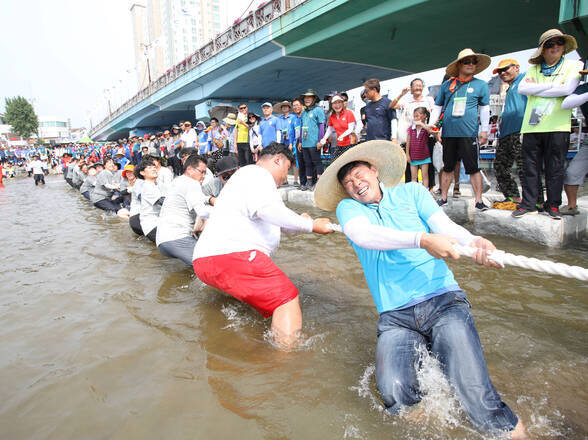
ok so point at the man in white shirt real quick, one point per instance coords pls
(183, 204)
(189, 135)
(233, 253)
(37, 167)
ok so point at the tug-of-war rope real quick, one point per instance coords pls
(504, 258)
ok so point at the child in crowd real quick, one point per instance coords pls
(417, 149)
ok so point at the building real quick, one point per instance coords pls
(54, 129)
(168, 31)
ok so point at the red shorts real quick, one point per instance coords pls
(250, 276)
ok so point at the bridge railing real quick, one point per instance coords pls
(263, 15)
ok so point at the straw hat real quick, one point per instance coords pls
(386, 156)
(570, 45)
(231, 119)
(483, 62)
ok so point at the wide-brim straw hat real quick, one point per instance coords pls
(386, 156)
(278, 106)
(483, 62)
(571, 44)
(231, 119)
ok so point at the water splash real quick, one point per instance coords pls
(237, 317)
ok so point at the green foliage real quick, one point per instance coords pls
(19, 113)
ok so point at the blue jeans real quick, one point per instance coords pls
(445, 325)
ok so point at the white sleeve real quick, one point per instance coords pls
(368, 236)
(327, 134)
(350, 129)
(440, 223)
(280, 215)
(574, 100)
(484, 117)
(530, 88)
(557, 90)
(435, 113)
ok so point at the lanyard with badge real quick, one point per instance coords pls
(544, 106)
(459, 103)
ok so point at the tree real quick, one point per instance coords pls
(19, 114)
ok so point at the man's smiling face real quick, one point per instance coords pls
(362, 185)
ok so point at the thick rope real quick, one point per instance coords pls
(504, 258)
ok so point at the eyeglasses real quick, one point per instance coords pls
(469, 61)
(242, 108)
(201, 171)
(552, 43)
(504, 69)
(226, 176)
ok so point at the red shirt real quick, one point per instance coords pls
(340, 124)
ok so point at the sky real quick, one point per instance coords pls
(62, 55)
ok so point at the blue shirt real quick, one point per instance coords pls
(297, 125)
(477, 94)
(379, 116)
(514, 109)
(286, 127)
(403, 277)
(311, 120)
(268, 128)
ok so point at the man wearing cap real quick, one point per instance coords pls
(312, 131)
(400, 236)
(37, 167)
(189, 136)
(546, 125)
(509, 136)
(458, 100)
(233, 252)
(268, 126)
(182, 205)
(202, 137)
(225, 168)
(241, 134)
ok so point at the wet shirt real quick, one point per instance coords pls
(233, 225)
(136, 197)
(150, 209)
(184, 201)
(100, 192)
(379, 117)
(552, 117)
(514, 109)
(398, 278)
(310, 122)
(471, 94)
(268, 129)
(88, 185)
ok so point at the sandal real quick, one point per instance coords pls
(566, 210)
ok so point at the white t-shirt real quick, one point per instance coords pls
(164, 180)
(234, 224)
(135, 194)
(37, 167)
(189, 138)
(149, 213)
(184, 201)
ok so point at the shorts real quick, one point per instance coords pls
(578, 168)
(250, 276)
(464, 149)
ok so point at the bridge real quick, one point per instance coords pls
(287, 46)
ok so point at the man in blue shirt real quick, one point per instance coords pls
(459, 99)
(378, 112)
(509, 137)
(312, 131)
(286, 126)
(400, 236)
(268, 126)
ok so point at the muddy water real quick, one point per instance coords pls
(102, 337)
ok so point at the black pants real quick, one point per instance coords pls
(549, 150)
(107, 205)
(152, 234)
(312, 156)
(39, 178)
(244, 154)
(135, 224)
